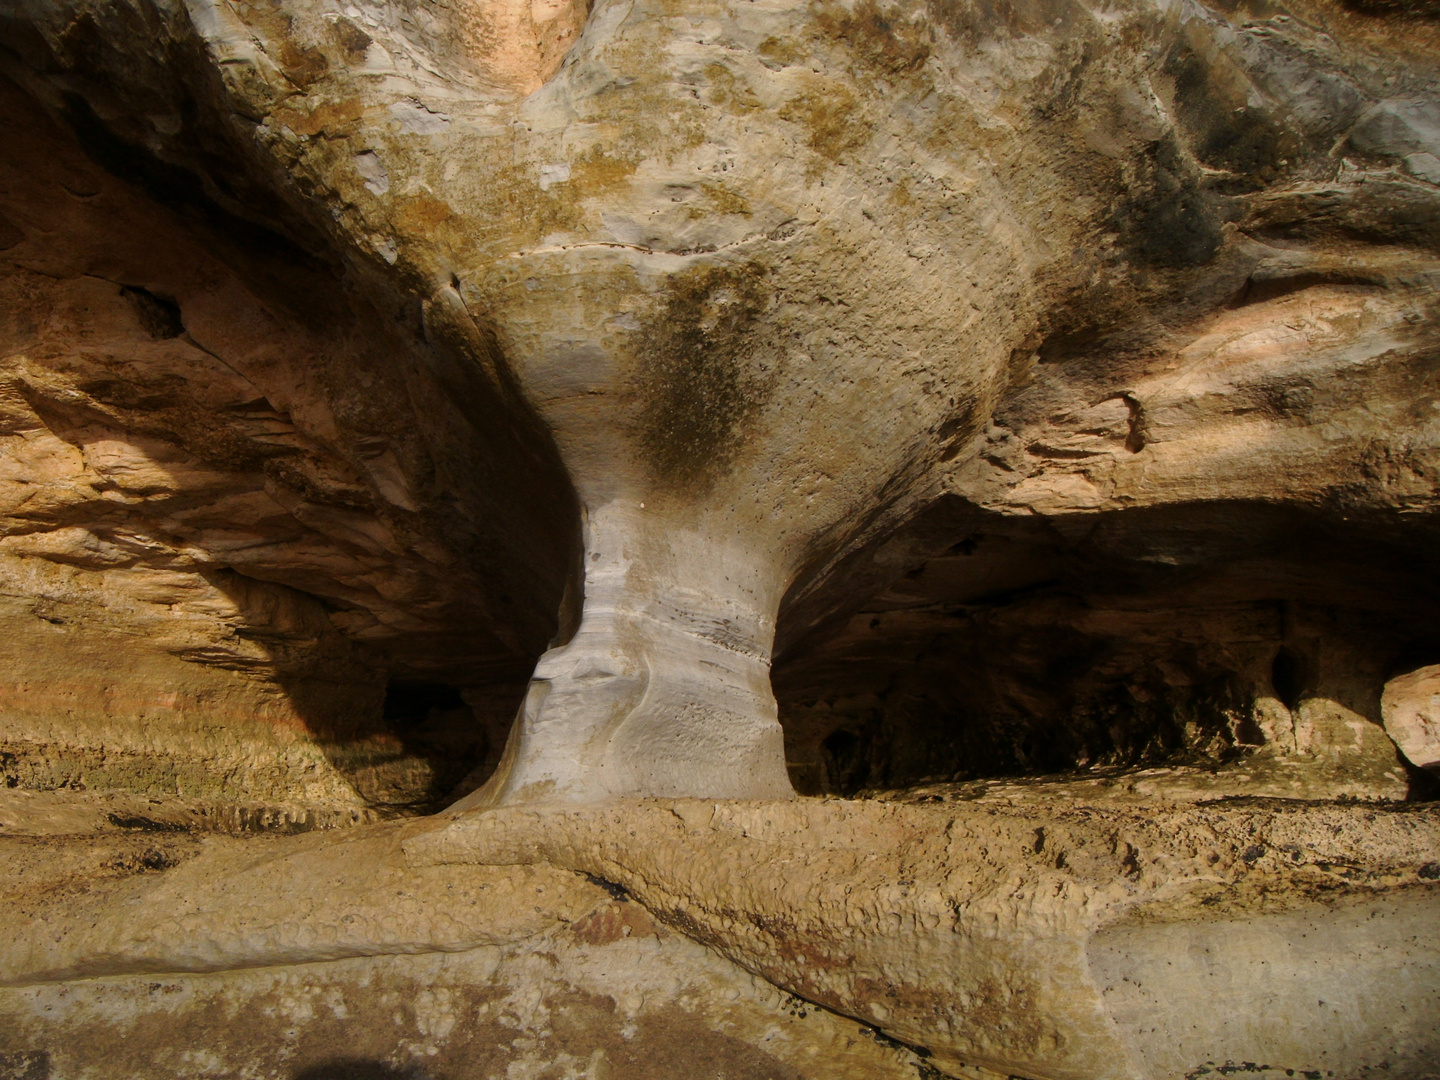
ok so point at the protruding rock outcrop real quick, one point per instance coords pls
(1411, 707)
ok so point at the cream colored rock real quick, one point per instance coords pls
(657, 691)
(1008, 936)
(1412, 715)
(849, 394)
(548, 1006)
(337, 960)
(667, 297)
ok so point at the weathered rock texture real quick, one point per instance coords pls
(743, 398)
(221, 495)
(1057, 936)
(1123, 320)
(340, 960)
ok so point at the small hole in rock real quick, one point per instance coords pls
(159, 315)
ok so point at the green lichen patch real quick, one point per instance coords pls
(701, 373)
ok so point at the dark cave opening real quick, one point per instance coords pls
(408, 705)
(1012, 646)
(439, 740)
(1287, 676)
(433, 741)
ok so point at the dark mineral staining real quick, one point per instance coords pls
(1401, 9)
(884, 38)
(363, 1069)
(972, 22)
(1169, 219)
(25, 1065)
(143, 824)
(1225, 129)
(351, 38)
(702, 374)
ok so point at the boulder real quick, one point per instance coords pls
(1411, 707)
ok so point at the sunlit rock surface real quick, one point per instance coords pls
(1411, 708)
(1019, 421)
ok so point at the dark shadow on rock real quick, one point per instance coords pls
(430, 537)
(363, 1069)
(406, 743)
(24, 1065)
(1005, 646)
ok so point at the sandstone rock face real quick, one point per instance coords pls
(215, 508)
(610, 420)
(862, 331)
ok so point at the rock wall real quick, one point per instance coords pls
(225, 524)
(1147, 302)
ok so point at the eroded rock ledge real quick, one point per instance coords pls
(1047, 935)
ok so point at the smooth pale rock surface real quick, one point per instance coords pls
(1411, 705)
(1318, 986)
